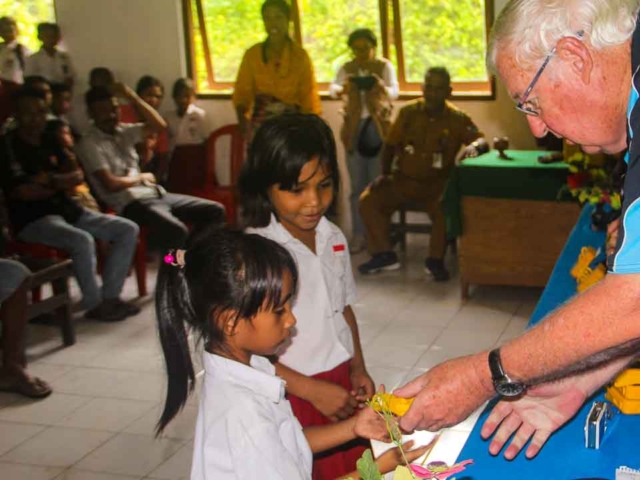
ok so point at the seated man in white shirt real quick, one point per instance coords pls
(49, 62)
(13, 55)
(187, 123)
(112, 164)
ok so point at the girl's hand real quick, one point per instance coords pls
(371, 425)
(389, 460)
(362, 386)
(333, 401)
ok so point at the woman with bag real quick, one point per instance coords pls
(367, 85)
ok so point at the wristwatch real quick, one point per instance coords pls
(503, 385)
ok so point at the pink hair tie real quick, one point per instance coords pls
(175, 258)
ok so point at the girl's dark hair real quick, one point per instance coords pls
(180, 85)
(362, 33)
(279, 150)
(147, 81)
(281, 5)
(224, 271)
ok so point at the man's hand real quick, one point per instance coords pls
(380, 180)
(536, 415)
(476, 148)
(447, 394)
(148, 178)
(362, 384)
(121, 90)
(66, 181)
(333, 401)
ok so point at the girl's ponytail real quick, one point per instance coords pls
(173, 306)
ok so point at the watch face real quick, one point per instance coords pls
(509, 389)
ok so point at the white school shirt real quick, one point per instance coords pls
(322, 338)
(10, 68)
(245, 427)
(389, 78)
(190, 129)
(56, 68)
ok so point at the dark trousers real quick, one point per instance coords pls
(165, 218)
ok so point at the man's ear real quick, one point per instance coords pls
(575, 53)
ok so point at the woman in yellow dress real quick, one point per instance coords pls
(276, 76)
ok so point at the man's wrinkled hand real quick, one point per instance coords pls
(534, 416)
(447, 394)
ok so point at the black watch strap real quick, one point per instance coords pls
(495, 365)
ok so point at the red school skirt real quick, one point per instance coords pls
(338, 461)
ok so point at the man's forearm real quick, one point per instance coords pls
(591, 330)
(150, 115)
(388, 152)
(592, 380)
(32, 192)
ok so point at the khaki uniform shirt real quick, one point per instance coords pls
(429, 145)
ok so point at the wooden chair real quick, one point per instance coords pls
(400, 229)
(56, 272)
(192, 170)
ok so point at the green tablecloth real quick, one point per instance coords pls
(522, 177)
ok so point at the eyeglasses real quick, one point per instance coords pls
(522, 103)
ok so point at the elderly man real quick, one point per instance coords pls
(425, 140)
(571, 67)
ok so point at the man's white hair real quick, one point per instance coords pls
(532, 28)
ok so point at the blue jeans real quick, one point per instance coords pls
(12, 274)
(78, 241)
(362, 170)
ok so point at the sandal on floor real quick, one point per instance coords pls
(32, 388)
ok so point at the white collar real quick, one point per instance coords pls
(280, 234)
(260, 377)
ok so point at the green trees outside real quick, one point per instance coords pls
(447, 33)
(28, 13)
(434, 32)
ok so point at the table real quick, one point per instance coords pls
(511, 226)
(564, 457)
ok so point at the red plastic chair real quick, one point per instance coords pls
(193, 170)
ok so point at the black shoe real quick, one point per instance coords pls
(131, 309)
(107, 311)
(435, 267)
(381, 261)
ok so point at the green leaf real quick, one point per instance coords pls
(367, 467)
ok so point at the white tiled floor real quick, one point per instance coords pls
(108, 388)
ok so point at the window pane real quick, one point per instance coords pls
(326, 24)
(28, 13)
(232, 27)
(450, 34)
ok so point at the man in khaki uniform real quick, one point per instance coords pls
(425, 139)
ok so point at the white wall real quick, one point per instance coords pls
(137, 37)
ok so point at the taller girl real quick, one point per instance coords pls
(288, 183)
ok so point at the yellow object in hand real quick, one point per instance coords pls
(389, 402)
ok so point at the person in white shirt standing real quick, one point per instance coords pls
(235, 292)
(287, 185)
(13, 55)
(187, 123)
(49, 62)
(367, 84)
